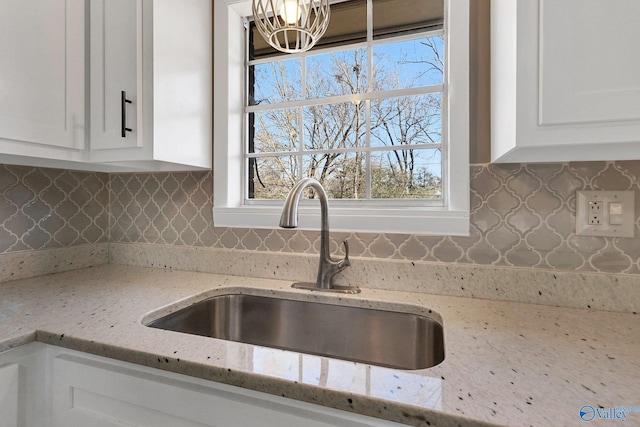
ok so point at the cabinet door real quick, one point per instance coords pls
(590, 66)
(183, 79)
(116, 37)
(42, 76)
(565, 80)
(24, 397)
(159, 53)
(9, 394)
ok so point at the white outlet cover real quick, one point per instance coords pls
(605, 229)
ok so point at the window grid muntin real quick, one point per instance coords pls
(434, 146)
(335, 99)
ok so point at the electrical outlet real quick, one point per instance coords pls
(605, 213)
(594, 214)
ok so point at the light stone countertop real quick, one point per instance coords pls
(505, 363)
(14, 336)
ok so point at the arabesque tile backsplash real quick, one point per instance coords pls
(521, 215)
(44, 208)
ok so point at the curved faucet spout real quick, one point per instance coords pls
(328, 267)
(289, 217)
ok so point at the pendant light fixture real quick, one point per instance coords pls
(291, 26)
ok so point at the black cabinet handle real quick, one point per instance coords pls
(123, 106)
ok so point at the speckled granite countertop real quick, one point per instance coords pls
(506, 363)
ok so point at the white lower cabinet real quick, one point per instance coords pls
(78, 389)
(9, 389)
(23, 387)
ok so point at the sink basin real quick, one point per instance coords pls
(377, 337)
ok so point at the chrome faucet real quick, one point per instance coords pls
(328, 267)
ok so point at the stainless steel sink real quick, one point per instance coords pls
(377, 337)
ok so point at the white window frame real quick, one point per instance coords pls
(229, 208)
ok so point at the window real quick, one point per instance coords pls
(378, 113)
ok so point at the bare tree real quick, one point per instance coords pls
(331, 131)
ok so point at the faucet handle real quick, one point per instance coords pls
(345, 262)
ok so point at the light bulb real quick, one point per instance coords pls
(290, 11)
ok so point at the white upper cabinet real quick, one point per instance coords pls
(106, 85)
(565, 80)
(151, 84)
(42, 84)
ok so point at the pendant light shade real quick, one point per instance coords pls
(291, 26)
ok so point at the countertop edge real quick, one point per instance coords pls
(336, 399)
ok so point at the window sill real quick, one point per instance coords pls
(431, 221)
